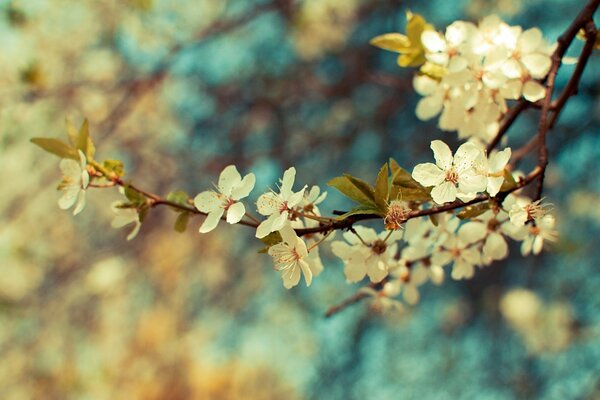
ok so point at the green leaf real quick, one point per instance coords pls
(143, 212)
(382, 188)
(72, 133)
(56, 147)
(354, 188)
(362, 211)
(435, 219)
(84, 141)
(473, 211)
(509, 181)
(409, 194)
(114, 166)
(179, 197)
(272, 239)
(134, 196)
(402, 177)
(182, 221)
(391, 41)
(404, 187)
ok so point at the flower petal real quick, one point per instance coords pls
(229, 178)
(430, 106)
(533, 91)
(244, 188)
(207, 201)
(268, 204)
(306, 272)
(212, 220)
(442, 154)
(287, 182)
(235, 213)
(444, 192)
(80, 202)
(433, 41)
(537, 64)
(428, 174)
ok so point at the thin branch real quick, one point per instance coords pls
(509, 119)
(564, 41)
(357, 297)
(573, 85)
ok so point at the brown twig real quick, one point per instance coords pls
(507, 122)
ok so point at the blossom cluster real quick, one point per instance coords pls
(468, 73)
(407, 253)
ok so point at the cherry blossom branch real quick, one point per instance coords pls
(564, 41)
(155, 200)
(355, 298)
(509, 119)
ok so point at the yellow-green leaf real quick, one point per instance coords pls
(433, 71)
(56, 147)
(182, 221)
(72, 133)
(354, 188)
(382, 189)
(402, 177)
(84, 141)
(272, 239)
(362, 211)
(114, 166)
(179, 197)
(473, 211)
(415, 25)
(391, 41)
(509, 181)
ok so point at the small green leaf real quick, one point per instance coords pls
(391, 41)
(179, 197)
(143, 212)
(182, 221)
(354, 188)
(409, 194)
(382, 188)
(56, 147)
(362, 211)
(509, 181)
(114, 166)
(272, 239)
(402, 177)
(72, 133)
(473, 211)
(134, 196)
(435, 219)
(84, 141)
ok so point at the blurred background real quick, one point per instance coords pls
(178, 90)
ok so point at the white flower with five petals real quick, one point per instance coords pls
(231, 189)
(292, 259)
(366, 253)
(450, 176)
(277, 206)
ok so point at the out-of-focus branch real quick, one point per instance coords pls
(584, 19)
(507, 122)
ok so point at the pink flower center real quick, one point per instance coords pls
(452, 176)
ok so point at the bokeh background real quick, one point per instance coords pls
(179, 89)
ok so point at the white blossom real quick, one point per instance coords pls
(126, 216)
(277, 206)
(292, 259)
(451, 177)
(231, 189)
(366, 253)
(463, 257)
(74, 182)
(538, 232)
